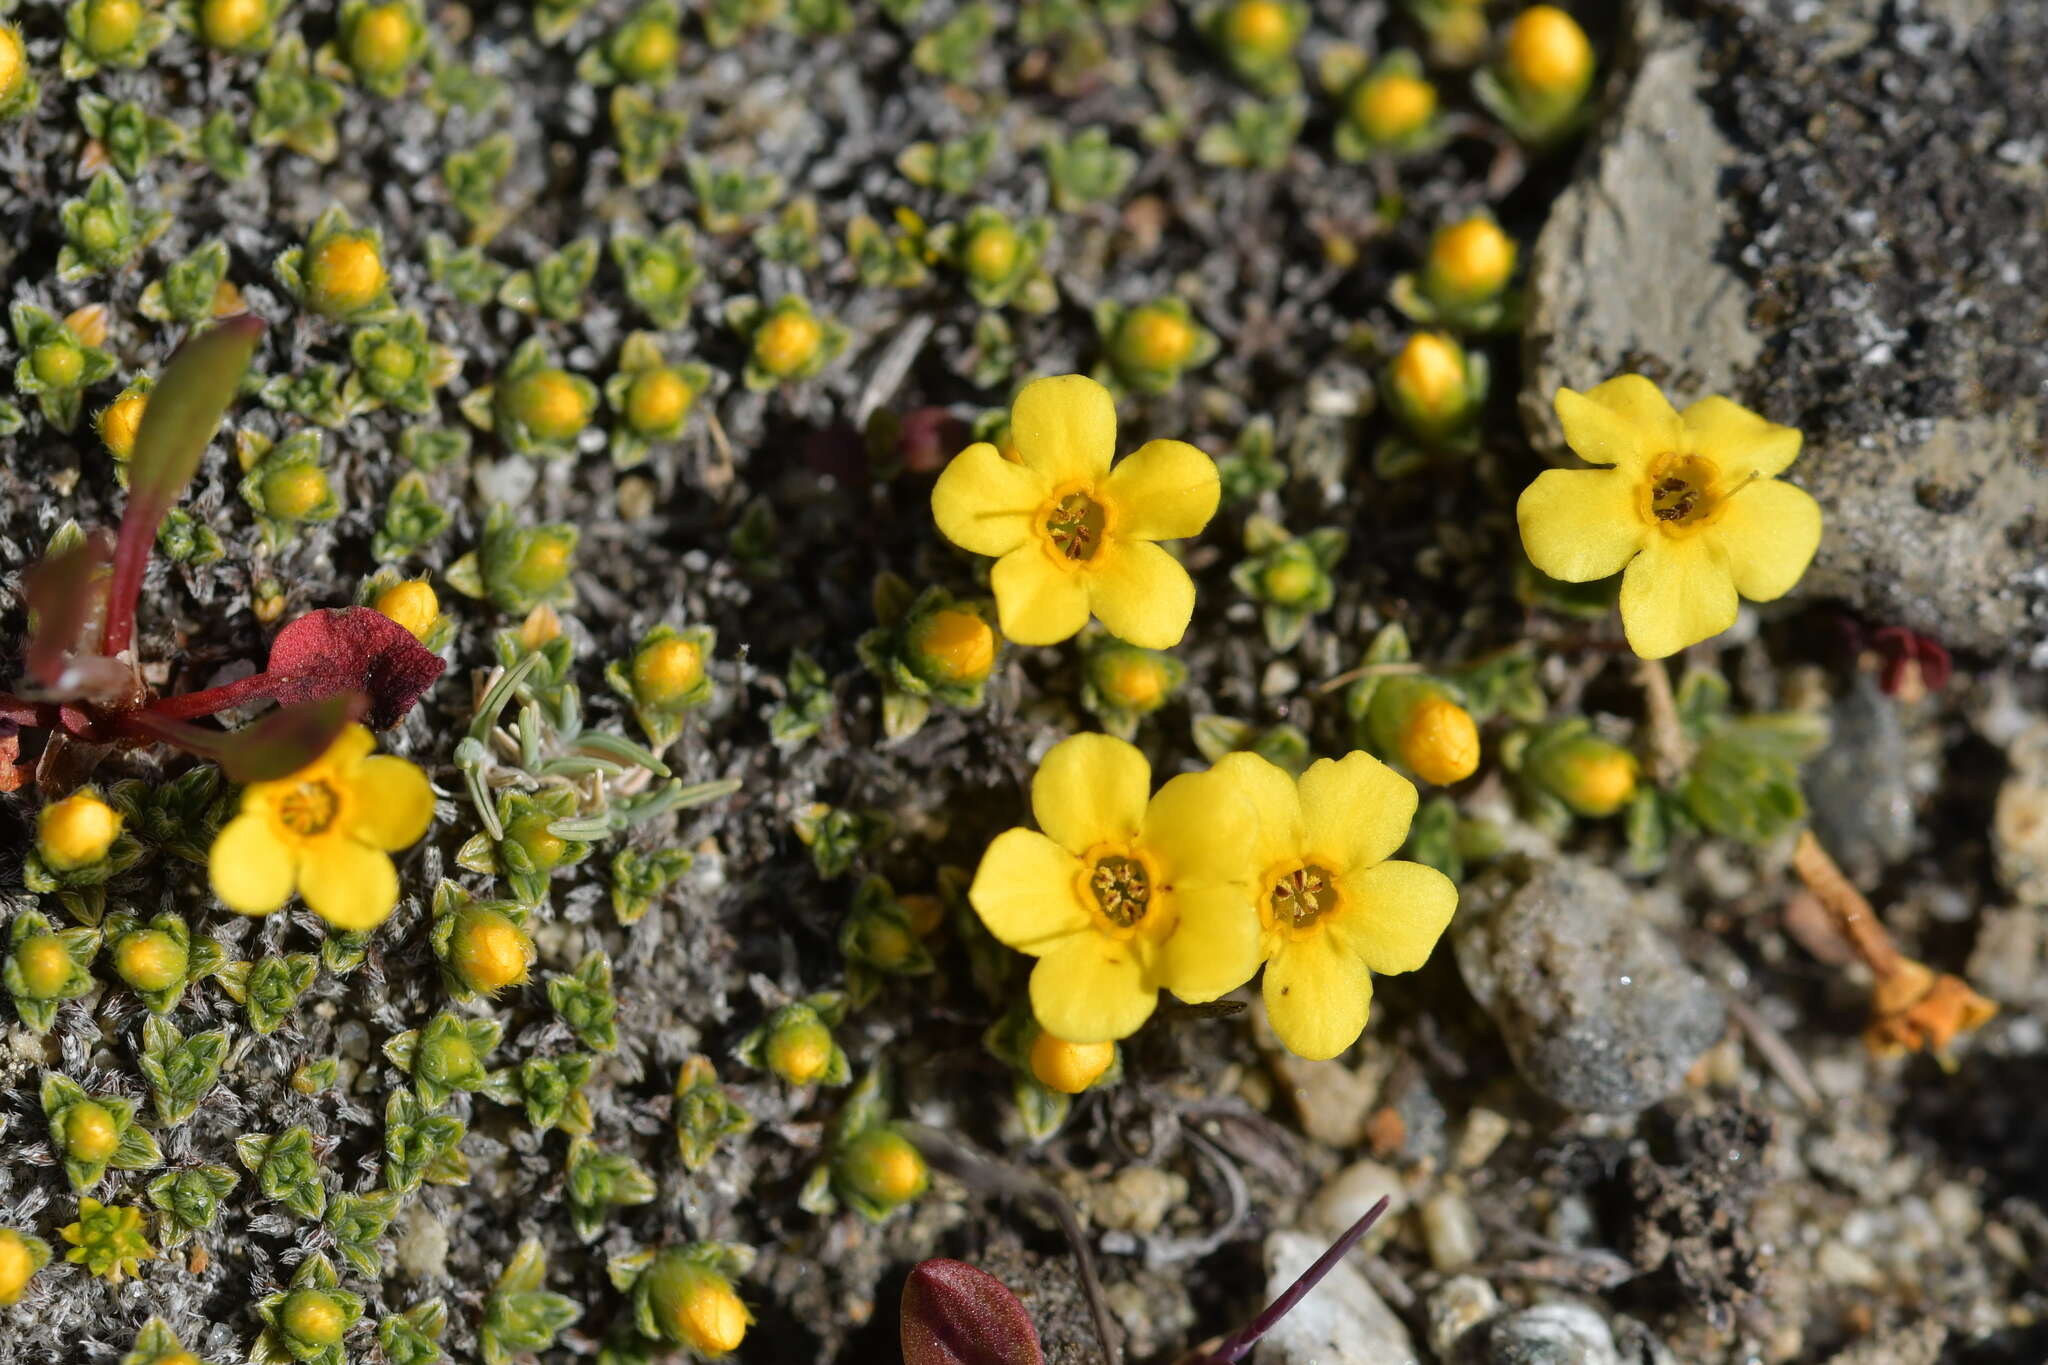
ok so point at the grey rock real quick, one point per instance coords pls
(1751, 222)
(1455, 1308)
(1344, 1322)
(1550, 1334)
(1597, 1007)
(1857, 784)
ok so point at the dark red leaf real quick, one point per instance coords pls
(184, 409)
(62, 591)
(352, 649)
(276, 746)
(954, 1314)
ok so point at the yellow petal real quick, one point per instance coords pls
(1064, 428)
(984, 503)
(348, 884)
(1024, 891)
(391, 805)
(1676, 593)
(1037, 601)
(1199, 828)
(1275, 806)
(1163, 491)
(1580, 524)
(1091, 789)
(1768, 531)
(1625, 421)
(1738, 440)
(1091, 989)
(1141, 593)
(1393, 914)
(1355, 811)
(354, 742)
(251, 869)
(1317, 996)
(1214, 948)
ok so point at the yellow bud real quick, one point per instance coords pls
(227, 301)
(1068, 1067)
(666, 670)
(119, 422)
(541, 625)
(1592, 776)
(1135, 683)
(1291, 581)
(1393, 107)
(295, 492)
(1430, 374)
(60, 364)
(887, 943)
(713, 1320)
(178, 1358)
(45, 966)
(992, 252)
(412, 604)
(1260, 28)
(395, 360)
(552, 404)
(150, 960)
(13, 64)
(230, 24)
(545, 847)
(1155, 338)
(953, 646)
(76, 831)
(1440, 742)
(649, 52)
(311, 1316)
(488, 951)
(657, 400)
(542, 564)
(1471, 260)
(17, 1266)
(88, 324)
(786, 343)
(111, 25)
(881, 1165)
(89, 1132)
(381, 40)
(344, 276)
(1547, 52)
(800, 1051)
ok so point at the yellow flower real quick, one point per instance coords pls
(76, 832)
(1691, 507)
(1071, 535)
(326, 830)
(1547, 52)
(413, 604)
(1120, 896)
(1332, 908)
(1069, 1068)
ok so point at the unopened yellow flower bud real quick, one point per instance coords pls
(90, 1133)
(954, 646)
(230, 24)
(1132, 679)
(45, 966)
(1068, 1067)
(1393, 107)
(488, 951)
(992, 252)
(381, 40)
(150, 960)
(884, 1168)
(1429, 380)
(413, 604)
(543, 846)
(13, 71)
(1154, 337)
(61, 364)
(551, 403)
(1289, 582)
(1593, 776)
(76, 832)
(119, 422)
(1548, 54)
(111, 25)
(666, 670)
(541, 625)
(1258, 28)
(310, 1316)
(787, 342)
(696, 1307)
(178, 1358)
(649, 52)
(657, 400)
(1470, 260)
(344, 276)
(800, 1050)
(1440, 743)
(295, 491)
(17, 1266)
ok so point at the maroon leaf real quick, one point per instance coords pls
(954, 1314)
(60, 592)
(352, 649)
(276, 746)
(183, 411)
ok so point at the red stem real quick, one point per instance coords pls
(40, 715)
(192, 705)
(1241, 1341)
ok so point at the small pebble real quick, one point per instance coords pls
(1451, 1230)
(1485, 1130)
(1345, 1197)
(1457, 1306)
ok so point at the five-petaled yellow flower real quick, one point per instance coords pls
(1691, 506)
(327, 830)
(1072, 536)
(1332, 907)
(1121, 895)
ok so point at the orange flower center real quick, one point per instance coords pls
(1122, 889)
(309, 808)
(1303, 895)
(1076, 525)
(1680, 492)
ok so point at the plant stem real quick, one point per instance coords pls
(1670, 751)
(213, 700)
(1242, 1340)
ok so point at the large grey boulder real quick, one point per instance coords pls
(1834, 212)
